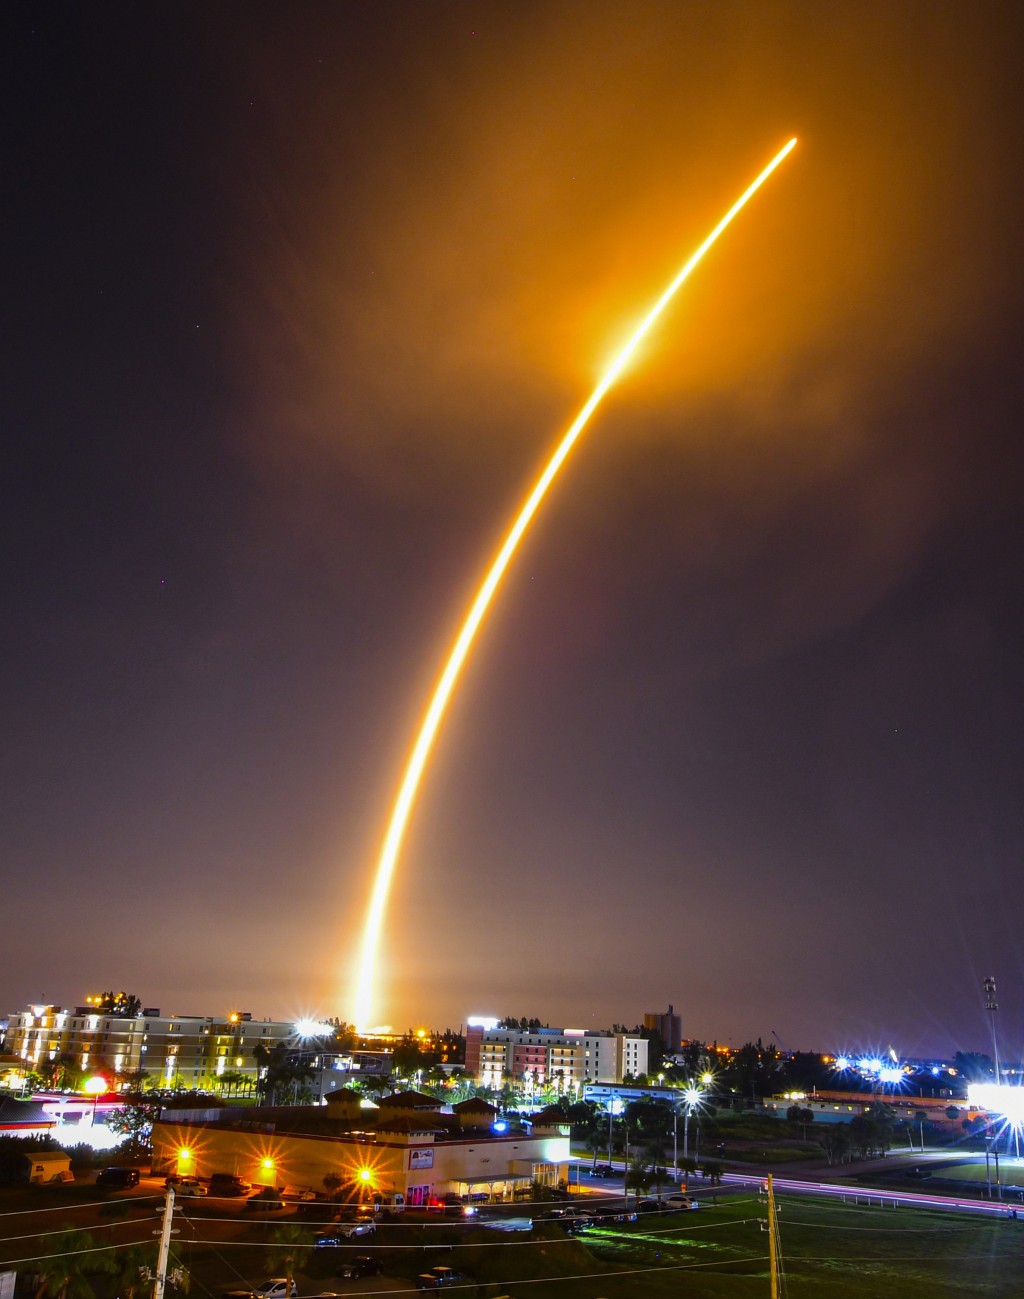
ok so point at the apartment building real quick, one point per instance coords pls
(188, 1051)
(569, 1058)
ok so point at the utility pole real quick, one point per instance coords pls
(773, 1244)
(164, 1249)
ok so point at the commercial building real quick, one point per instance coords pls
(569, 1058)
(842, 1106)
(406, 1146)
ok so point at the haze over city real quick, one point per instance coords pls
(298, 300)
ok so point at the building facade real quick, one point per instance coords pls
(568, 1058)
(668, 1026)
(406, 1147)
(173, 1051)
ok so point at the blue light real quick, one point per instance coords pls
(499, 1125)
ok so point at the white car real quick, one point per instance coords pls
(361, 1227)
(278, 1287)
(332, 1237)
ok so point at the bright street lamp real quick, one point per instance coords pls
(614, 1108)
(691, 1098)
(95, 1086)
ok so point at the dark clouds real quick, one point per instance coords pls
(301, 296)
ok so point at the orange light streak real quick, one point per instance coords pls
(432, 718)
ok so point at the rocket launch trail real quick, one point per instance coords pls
(426, 735)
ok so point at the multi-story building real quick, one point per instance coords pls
(668, 1026)
(172, 1050)
(569, 1058)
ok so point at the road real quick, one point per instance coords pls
(740, 1181)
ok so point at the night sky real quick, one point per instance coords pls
(298, 297)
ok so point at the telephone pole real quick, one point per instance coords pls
(773, 1239)
(164, 1249)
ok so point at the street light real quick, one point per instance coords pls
(95, 1086)
(692, 1097)
(614, 1108)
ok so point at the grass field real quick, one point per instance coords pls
(830, 1250)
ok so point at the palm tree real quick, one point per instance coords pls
(72, 1258)
(290, 1244)
(133, 1269)
(232, 1080)
(656, 1154)
(594, 1138)
(638, 1177)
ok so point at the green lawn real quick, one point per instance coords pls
(830, 1250)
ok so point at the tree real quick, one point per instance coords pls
(805, 1071)
(281, 1072)
(974, 1066)
(755, 1070)
(134, 1120)
(135, 1080)
(125, 1005)
(800, 1116)
(231, 1081)
(407, 1056)
(658, 1172)
(133, 1270)
(834, 1139)
(64, 1270)
(871, 1132)
(62, 1074)
(638, 1176)
(290, 1246)
(594, 1138)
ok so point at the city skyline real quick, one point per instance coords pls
(298, 304)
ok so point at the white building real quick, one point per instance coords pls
(568, 1057)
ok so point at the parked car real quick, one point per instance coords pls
(278, 1287)
(677, 1200)
(229, 1184)
(360, 1265)
(185, 1186)
(602, 1170)
(438, 1278)
(619, 1212)
(339, 1232)
(118, 1179)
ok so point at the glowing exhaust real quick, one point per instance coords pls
(463, 642)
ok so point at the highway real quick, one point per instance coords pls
(847, 1191)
